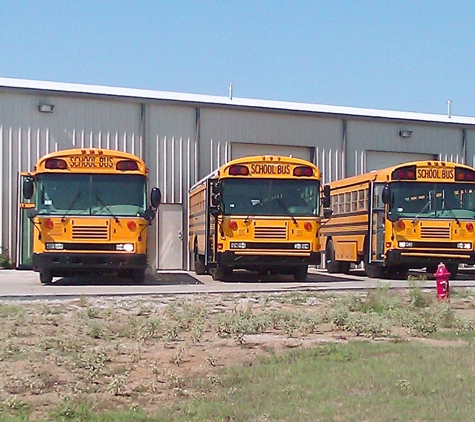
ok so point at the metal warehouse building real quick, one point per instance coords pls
(183, 137)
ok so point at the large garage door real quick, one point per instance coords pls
(380, 159)
(239, 150)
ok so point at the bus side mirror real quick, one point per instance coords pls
(215, 200)
(31, 213)
(386, 195)
(327, 212)
(393, 216)
(217, 188)
(214, 211)
(149, 215)
(155, 197)
(28, 188)
(326, 196)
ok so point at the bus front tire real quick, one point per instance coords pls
(453, 269)
(138, 275)
(46, 276)
(300, 273)
(219, 273)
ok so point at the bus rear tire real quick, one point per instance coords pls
(300, 273)
(200, 268)
(46, 276)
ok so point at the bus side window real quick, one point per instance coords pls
(361, 202)
(354, 201)
(347, 201)
(341, 204)
(334, 203)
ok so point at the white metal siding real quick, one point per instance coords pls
(376, 160)
(374, 135)
(243, 150)
(171, 154)
(222, 128)
(26, 135)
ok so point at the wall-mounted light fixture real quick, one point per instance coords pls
(45, 108)
(405, 133)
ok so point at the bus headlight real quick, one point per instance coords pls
(304, 246)
(238, 245)
(55, 246)
(405, 244)
(464, 245)
(126, 247)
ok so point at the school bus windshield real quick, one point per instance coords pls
(88, 194)
(436, 200)
(270, 197)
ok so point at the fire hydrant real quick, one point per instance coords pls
(442, 281)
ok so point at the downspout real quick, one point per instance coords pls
(197, 143)
(344, 149)
(464, 146)
(143, 132)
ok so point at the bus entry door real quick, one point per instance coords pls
(25, 229)
(376, 223)
(211, 225)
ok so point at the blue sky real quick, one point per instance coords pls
(382, 54)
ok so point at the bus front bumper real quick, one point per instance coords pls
(65, 263)
(254, 261)
(397, 256)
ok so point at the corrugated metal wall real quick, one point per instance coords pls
(26, 135)
(172, 155)
(220, 128)
(181, 143)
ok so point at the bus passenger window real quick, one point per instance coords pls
(347, 201)
(354, 200)
(361, 205)
(341, 204)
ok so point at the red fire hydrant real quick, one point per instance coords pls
(442, 281)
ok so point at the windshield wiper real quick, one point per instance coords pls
(78, 195)
(421, 211)
(452, 212)
(255, 203)
(285, 208)
(107, 208)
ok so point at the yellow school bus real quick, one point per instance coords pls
(412, 215)
(90, 214)
(258, 213)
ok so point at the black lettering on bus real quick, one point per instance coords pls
(270, 168)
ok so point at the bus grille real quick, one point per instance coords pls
(270, 233)
(435, 232)
(90, 232)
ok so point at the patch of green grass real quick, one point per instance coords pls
(353, 382)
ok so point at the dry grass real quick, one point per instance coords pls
(131, 353)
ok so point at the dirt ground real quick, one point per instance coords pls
(147, 351)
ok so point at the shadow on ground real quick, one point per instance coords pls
(241, 276)
(159, 279)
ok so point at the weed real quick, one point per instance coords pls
(212, 357)
(417, 297)
(93, 363)
(5, 261)
(178, 358)
(118, 385)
